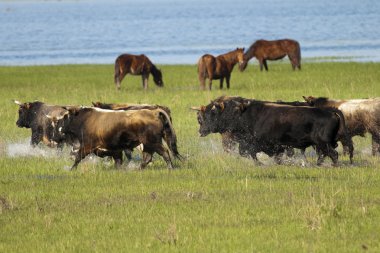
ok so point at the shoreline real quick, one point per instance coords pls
(323, 59)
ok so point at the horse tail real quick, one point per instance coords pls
(298, 54)
(201, 68)
(169, 134)
(118, 71)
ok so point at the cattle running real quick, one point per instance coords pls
(270, 127)
(108, 132)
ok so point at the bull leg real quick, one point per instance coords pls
(333, 154)
(227, 142)
(118, 158)
(321, 155)
(36, 137)
(78, 157)
(162, 151)
(348, 147)
(228, 81)
(221, 83)
(128, 154)
(265, 64)
(289, 151)
(147, 158)
(375, 144)
(277, 158)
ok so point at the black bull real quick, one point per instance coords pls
(269, 127)
(36, 116)
(108, 133)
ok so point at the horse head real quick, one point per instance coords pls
(157, 76)
(240, 55)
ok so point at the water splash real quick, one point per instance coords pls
(24, 149)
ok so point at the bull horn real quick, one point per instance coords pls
(17, 102)
(195, 108)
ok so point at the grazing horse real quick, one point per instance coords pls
(219, 67)
(136, 65)
(273, 50)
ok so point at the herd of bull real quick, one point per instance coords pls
(255, 126)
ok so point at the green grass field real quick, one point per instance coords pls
(212, 201)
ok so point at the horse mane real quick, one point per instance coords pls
(250, 53)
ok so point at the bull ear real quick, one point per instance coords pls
(221, 106)
(203, 108)
(96, 104)
(242, 107)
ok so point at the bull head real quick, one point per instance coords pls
(23, 105)
(96, 104)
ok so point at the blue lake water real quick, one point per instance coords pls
(171, 32)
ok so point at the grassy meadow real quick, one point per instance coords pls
(212, 201)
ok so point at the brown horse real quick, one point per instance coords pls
(219, 67)
(136, 65)
(273, 50)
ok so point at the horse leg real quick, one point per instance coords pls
(293, 61)
(375, 144)
(261, 64)
(265, 64)
(145, 81)
(118, 78)
(202, 81)
(228, 81)
(221, 82)
(210, 77)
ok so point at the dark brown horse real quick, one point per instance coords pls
(219, 67)
(136, 65)
(273, 50)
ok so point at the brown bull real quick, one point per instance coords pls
(108, 133)
(127, 106)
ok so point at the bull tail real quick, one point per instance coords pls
(342, 134)
(169, 134)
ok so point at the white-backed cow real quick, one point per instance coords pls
(362, 116)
